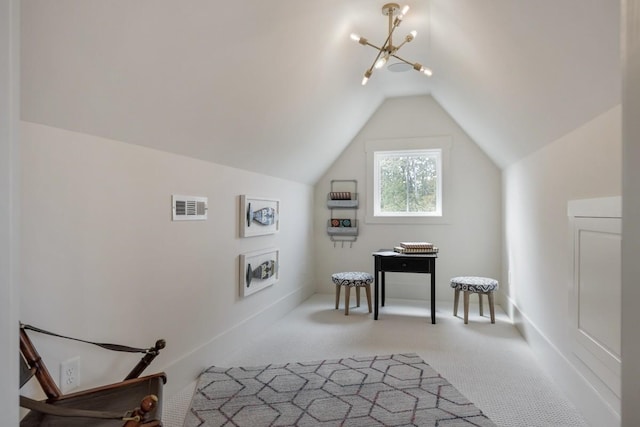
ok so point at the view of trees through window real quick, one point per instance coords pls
(408, 182)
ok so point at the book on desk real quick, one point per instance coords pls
(416, 248)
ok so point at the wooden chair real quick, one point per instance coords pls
(473, 284)
(352, 279)
(133, 402)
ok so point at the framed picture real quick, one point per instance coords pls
(258, 270)
(259, 216)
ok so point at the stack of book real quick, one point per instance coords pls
(340, 195)
(416, 248)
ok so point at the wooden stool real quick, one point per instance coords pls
(349, 280)
(478, 285)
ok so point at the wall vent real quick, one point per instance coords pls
(189, 208)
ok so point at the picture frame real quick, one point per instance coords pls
(258, 270)
(259, 216)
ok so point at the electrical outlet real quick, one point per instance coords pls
(70, 374)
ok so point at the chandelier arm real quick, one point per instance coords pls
(416, 66)
(401, 44)
(392, 26)
(388, 40)
(387, 43)
(380, 50)
(372, 45)
(402, 59)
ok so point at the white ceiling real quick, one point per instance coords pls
(274, 87)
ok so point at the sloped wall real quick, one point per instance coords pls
(470, 238)
(103, 260)
(583, 164)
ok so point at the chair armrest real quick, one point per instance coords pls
(114, 386)
(147, 404)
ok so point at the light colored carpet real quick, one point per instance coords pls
(393, 390)
(491, 365)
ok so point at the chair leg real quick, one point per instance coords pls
(491, 308)
(466, 307)
(347, 291)
(358, 296)
(367, 288)
(456, 298)
(338, 296)
(480, 299)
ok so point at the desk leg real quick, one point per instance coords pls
(433, 293)
(382, 288)
(375, 296)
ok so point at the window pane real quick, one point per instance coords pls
(408, 183)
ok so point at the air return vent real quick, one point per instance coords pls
(189, 208)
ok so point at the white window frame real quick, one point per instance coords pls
(408, 145)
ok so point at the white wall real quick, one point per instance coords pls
(631, 215)
(9, 209)
(470, 241)
(583, 164)
(103, 260)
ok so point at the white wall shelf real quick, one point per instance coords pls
(343, 203)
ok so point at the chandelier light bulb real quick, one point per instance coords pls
(380, 62)
(418, 67)
(355, 37)
(409, 38)
(365, 79)
(405, 9)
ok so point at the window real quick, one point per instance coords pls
(408, 183)
(407, 180)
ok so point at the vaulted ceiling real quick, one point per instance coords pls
(274, 87)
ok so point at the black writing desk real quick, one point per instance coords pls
(388, 261)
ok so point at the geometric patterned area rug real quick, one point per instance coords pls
(393, 390)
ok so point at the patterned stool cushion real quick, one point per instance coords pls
(474, 284)
(352, 278)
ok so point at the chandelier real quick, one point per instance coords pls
(388, 49)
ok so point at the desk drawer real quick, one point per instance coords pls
(406, 264)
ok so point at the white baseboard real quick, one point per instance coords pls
(593, 407)
(185, 370)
